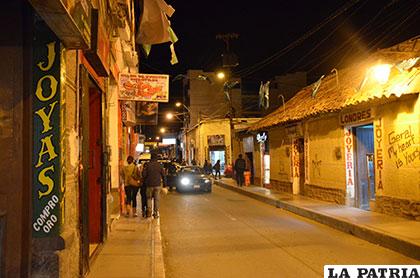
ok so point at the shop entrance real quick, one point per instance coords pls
(95, 169)
(251, 165)
(364, 160)
(91, 180)
(218, 154)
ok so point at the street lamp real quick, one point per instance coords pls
(381, 72)
(220, 75)
(162, 130)
(179, 104)
(169, 116)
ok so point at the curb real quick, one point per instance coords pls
(361, 231)
(158, 266)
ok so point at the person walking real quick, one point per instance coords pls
(239, 168)
(216, 169)
(154, 176)
(131, 186)
(143, 193)
(207, 167)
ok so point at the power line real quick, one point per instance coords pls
(354, 39)
(326, 37)
(275, 56)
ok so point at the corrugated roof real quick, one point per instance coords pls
(334, 96)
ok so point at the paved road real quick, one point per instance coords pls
(224, 234)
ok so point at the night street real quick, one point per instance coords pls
(297, 121)
(224, 234)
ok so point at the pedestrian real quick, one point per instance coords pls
(131, 186)
(216, 168)
(207, 167)
(154, 176)
(143, 193)
(193, 162)
(239, 168)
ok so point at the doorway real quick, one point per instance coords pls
(218, 154)
(251, 165)
(301, 151)
(92, 209)
(364, 158)
(95, 168)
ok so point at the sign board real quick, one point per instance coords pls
(348, 150)
(98, 54)
(143, 87)
(46, 189)
(128, 115)
(262, 137)
(216, 140)
(146, 113)
(355, 117)
(248, 144)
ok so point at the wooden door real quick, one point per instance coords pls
(364, 149)
(95, 163)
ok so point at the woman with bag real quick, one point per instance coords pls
(131, 186)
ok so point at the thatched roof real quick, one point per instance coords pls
(345, 89)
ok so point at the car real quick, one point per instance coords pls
(193, 178)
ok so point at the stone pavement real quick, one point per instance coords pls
(399, 234)
(133, 249)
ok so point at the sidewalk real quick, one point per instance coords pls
(399, 234)
(133, 249)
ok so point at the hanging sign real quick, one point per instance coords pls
(146, 113)
(46, 189)
(143, 87)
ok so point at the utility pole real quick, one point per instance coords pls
(229, 59)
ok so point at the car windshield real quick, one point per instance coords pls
(193, 169)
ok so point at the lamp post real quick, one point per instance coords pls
(179, 104)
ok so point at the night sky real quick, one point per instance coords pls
(318, 35)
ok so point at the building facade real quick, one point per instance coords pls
(59, 140)
(353, 139)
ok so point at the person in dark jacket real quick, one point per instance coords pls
(239, 167)
(207, 167)
(143, 192)
(216, 168)
(154, 176)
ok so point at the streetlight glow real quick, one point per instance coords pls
(162, 130)
(381, 72)
(178, 104)
(169, 116)
(221, 75)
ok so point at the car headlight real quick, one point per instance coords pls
(185, 181)
(206, 181)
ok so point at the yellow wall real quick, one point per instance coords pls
(325, 137)
(400, 124)
(280, 155)
(214, 127)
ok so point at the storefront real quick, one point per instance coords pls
(264, 151)
(359, 157)
(217, 150)
(355, 139)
